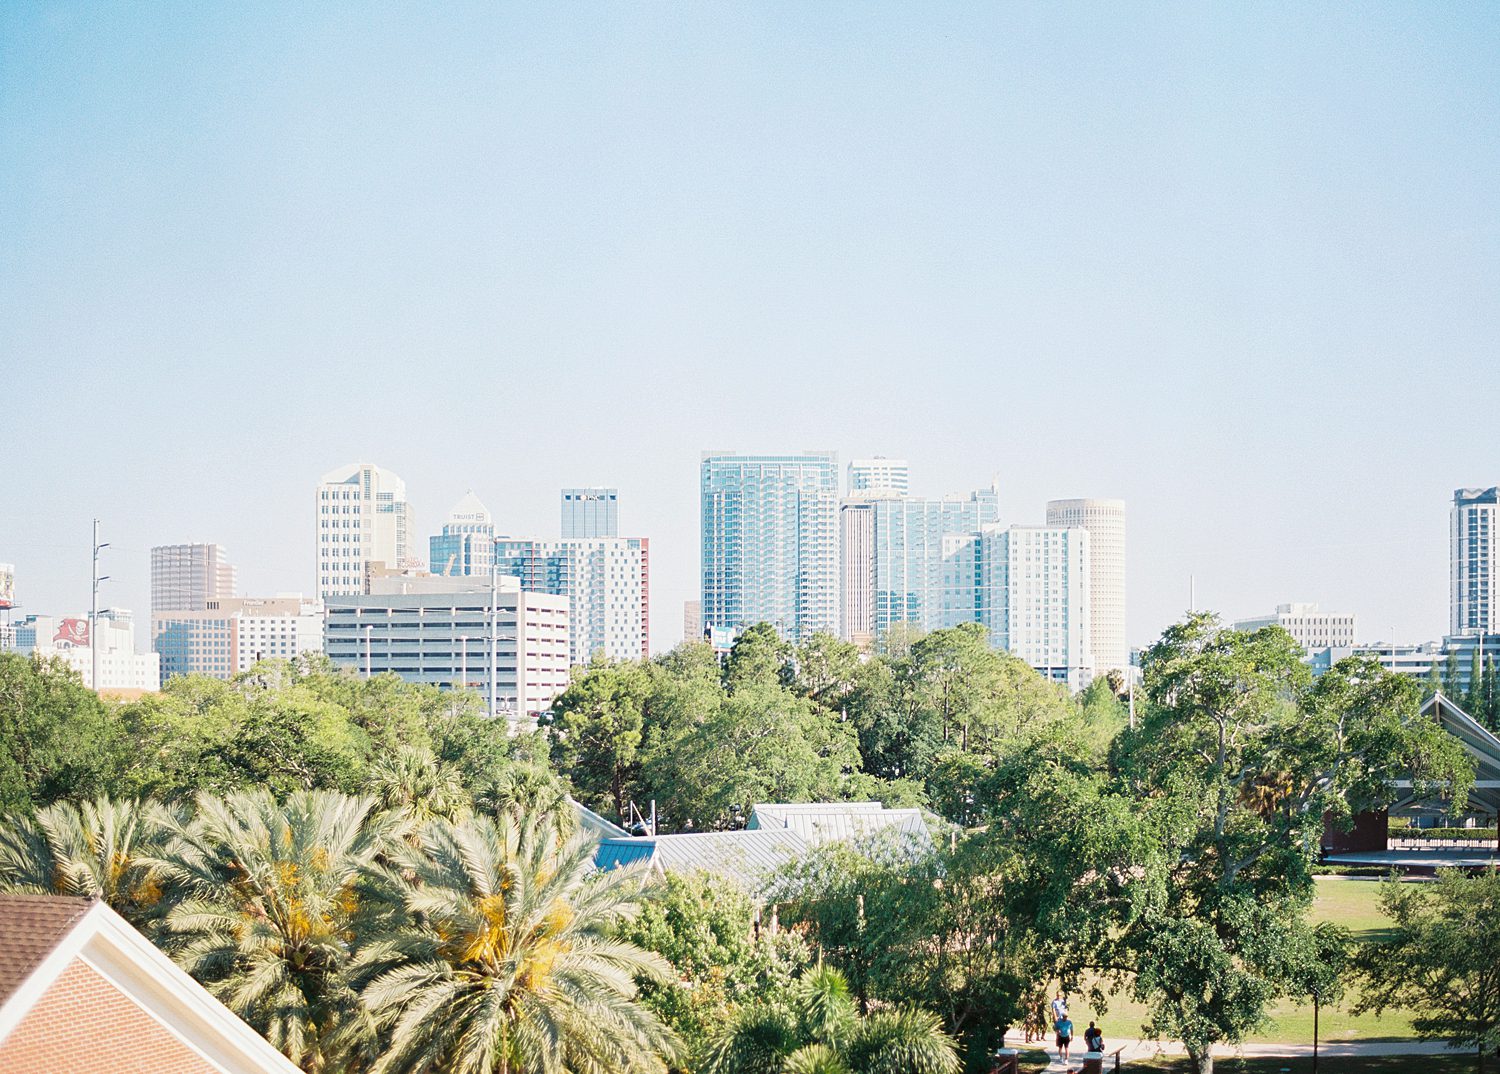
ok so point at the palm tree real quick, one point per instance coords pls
(275, 895)
(819, 1031)
(420, 787)
(507, 963)
(101, 849)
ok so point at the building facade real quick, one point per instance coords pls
(437, 631)
(68, 638)
(185, 577)
(1034, 597)
(692, 620)
(770, 542)
(606, 581)
(590, 512)
(466, 547)
(879, 475)
(897, 554)
(1474, 564)
(231, 636)
(1105, 522)
(362, 518)
(1311, 627)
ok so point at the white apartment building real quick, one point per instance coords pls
(1105, 522)
(1474, 564)
(879, 474)
(437, 631)
(231, 636)
(1034, 597)
(857, 572)
(185, 577)
(68, 638)
(607, 583)
(1312, 628)
(362, 518)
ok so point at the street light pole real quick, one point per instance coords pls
(494, 627)
(368, 627)
(94, 608)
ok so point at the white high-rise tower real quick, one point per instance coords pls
(1105, 522)
(1475, 562)
(362, 518)
(185, 577)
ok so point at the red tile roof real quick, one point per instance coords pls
(30, 927)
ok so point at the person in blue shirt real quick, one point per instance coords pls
(1064, 1029)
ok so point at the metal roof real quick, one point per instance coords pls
(825, 822)
(595, 824)
(747, 857)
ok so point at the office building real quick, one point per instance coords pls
(857, 572)
(466, 547)
(1034, 597)
(692, 620)
(895, 559)
(233, 635)
(590, 512)
(1310, 627)
(362, 518)
(1105, 521)
(770, 542)
(606, 581)
(1474, 565)
(185, 577)
(879, 475)
(437, 630)
(122, 670)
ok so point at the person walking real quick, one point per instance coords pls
(1093, 1039)
(1059, 1009)
(1064, 1035)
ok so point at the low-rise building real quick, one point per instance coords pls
(122, 670)
(229, 636)
(437, 630)
(1311, 627)
(82, 992)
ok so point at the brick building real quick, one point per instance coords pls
(83, 992)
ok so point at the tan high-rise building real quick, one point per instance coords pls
(1105, 522)
(185, 577)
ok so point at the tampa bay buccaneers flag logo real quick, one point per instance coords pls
(72, 632)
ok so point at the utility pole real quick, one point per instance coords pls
(494, 628)
(94, 607)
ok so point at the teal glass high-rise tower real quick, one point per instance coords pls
(771, 542)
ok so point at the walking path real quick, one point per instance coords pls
(1141, 1049)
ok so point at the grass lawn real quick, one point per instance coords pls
(1350, 901)
(1362, 1064)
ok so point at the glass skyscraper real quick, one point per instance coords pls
(771, 542)
(590, 512)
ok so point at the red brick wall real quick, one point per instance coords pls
(1369, 833)
(84, 1025)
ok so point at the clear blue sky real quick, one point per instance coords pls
(1237, 264)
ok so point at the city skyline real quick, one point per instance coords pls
(1239, 268)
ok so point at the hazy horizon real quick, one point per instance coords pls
(1240, 268)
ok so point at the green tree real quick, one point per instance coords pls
(1235, 765)
(57, 739)
(705, 926)
(758, 657)
(419, 787)
(597, 732)
(1440, 959)
(507, 961)
(816, 1029)
(269, 896)
(762, 744)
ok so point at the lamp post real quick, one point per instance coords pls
(368, 627)
(94, 609)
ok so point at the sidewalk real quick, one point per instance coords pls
(1140, 1049)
